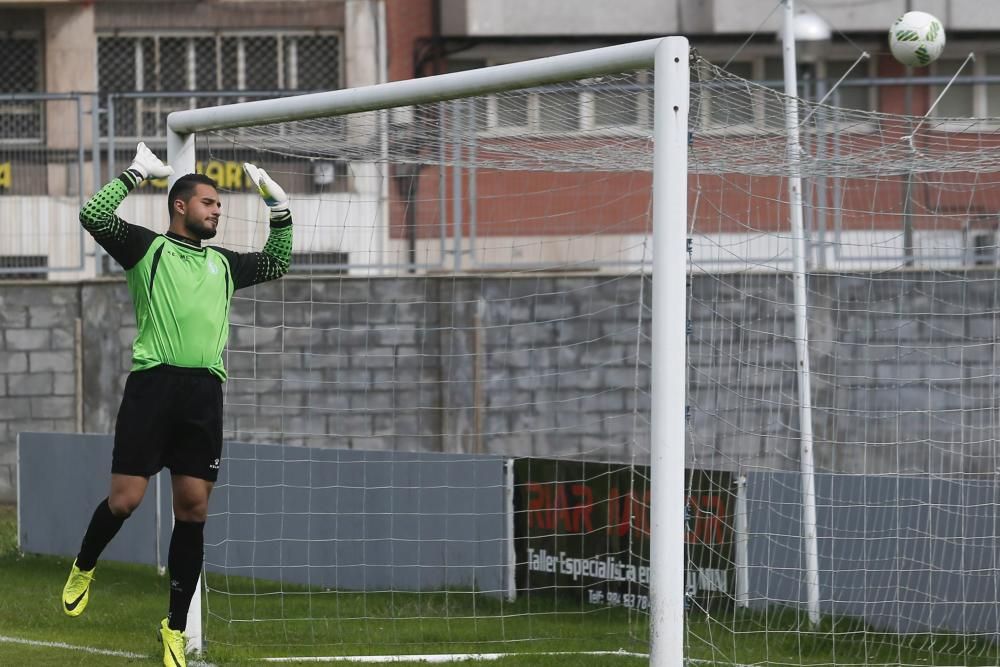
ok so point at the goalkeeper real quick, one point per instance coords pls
(171, 409)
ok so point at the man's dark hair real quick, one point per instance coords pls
(184, 188)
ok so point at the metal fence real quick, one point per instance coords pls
(57, 148)
(49, 158)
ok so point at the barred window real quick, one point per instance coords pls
(21, 120)
(965, 99)
(144, 73)
(614, 102)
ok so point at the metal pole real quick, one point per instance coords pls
(80, 156)
(382, 238)
(180, 155)
(111, 136)
(442, 156)
(742, 540)
(458, 118)
(908, 186)
(95, 125)
(794, 151)
(669, 353)
(472, 149)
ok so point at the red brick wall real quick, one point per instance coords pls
(533, 203)
(406, 22)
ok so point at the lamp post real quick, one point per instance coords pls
(815, 31)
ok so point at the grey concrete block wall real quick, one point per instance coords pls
(39, 366)
(904, 367)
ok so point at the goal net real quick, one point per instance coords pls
(891, 491)
(438, 422)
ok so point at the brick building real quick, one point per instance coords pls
(91, 78)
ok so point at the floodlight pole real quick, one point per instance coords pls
(807, 465)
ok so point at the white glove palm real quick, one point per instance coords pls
(147, 165)
(272, 193)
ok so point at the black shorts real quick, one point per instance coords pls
(169, 417)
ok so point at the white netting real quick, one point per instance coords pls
(900, 220)
(449, 395)
(474, 280)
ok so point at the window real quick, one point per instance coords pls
(604, 103)
(723, 102)
(960, 100)
(964, 99)
(162, 65)
(733, 106)
(846, 96)
(21, 120)
(608, 103)
(23, 267)
(620, 102)
(329, 263)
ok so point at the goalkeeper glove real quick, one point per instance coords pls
(272, 193)
(148, 165)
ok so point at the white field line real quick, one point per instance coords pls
(87, 649)
(71, 647)
(443, 657)
(699, 661)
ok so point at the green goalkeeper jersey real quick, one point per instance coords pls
(181, 290)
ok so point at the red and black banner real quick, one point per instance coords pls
(582, 528)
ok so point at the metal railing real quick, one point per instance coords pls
(61, 146)
(47, 141)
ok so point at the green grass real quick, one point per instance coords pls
(128, 601)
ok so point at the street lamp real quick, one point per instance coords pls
(795, 23)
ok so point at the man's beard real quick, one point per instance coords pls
(199, 229)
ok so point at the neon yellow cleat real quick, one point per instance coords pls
(174, 646)
(76, 592)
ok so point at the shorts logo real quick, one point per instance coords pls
(214, 465)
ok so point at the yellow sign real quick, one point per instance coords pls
(229, 175)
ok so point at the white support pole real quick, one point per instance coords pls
(669, 380)
(158, 522)
(511, 553)
(794, 151)
(742, 539)
(180, 156)
(383, 239)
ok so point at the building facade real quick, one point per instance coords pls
(87, 80)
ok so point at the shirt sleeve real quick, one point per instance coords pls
(251, 268)
(126, 243)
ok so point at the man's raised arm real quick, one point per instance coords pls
(273, 261)
(124, 242)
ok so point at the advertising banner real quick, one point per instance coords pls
(582, 529)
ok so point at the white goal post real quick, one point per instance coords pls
(669, 58)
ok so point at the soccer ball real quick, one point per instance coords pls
(916, 39)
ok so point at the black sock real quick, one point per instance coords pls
(103, 527)
(187, 552)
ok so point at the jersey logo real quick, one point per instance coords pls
(212, 267)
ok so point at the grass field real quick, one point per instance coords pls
(129, 600)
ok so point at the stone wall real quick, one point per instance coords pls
(38, 366)
(903, 367)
